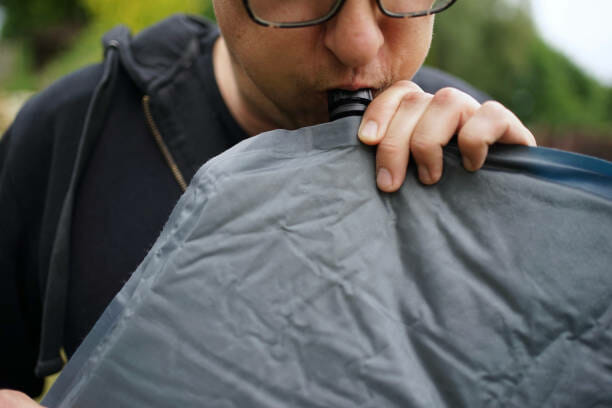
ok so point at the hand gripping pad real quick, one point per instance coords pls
(284, 278)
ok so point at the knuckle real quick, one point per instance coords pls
(446, 96)
(404, 83)
(413, 97)
(421, 146)
(497, 115)
(471, 140)
(390, 148)
(495, 109)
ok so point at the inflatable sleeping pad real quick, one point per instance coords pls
(284, 278)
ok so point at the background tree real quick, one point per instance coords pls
(45, 26)
(493, 45)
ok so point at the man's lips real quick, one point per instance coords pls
(355, 86)
(351, 88)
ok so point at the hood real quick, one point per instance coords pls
(154, 56)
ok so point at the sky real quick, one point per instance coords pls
(580, 29)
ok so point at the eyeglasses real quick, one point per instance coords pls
(304, 13)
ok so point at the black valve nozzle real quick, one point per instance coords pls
(342, 103)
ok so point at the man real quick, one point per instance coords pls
(85, 185)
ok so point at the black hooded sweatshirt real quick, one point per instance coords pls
(89, 172)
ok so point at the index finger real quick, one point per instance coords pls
(381, 110)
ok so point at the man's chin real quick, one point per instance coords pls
(313, 113)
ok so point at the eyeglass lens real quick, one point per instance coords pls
(299, 11)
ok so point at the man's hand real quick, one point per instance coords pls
(16, 399)
(403, 120)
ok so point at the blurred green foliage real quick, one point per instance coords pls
(25, 17)
(495, 47)
(85, 26)
(139, 14)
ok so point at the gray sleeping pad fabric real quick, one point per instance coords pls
(284, 278)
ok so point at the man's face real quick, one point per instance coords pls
(284, 74)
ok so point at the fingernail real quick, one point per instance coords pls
(368, 132)
(424, 175)
(467, 164)
(383, 179)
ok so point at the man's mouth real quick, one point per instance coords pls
(355, 87)
(375, 87)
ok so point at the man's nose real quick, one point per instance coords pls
(354, 35)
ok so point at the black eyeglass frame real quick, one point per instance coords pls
(334, 11)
